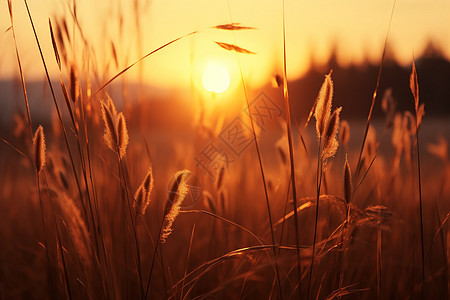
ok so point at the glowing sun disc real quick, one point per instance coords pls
(215, 79)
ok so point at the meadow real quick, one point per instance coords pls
(111, 196)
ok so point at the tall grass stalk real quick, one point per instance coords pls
(76, 130)
(379, 263)
(261, 168)
(133, 226)
(291, 153)
(171, 210)
(19, 64)
(348, 192)
(318, 185)
(327, 125)
(39, 162)
(374, 96)
(96, 227)
(187, 259)
(415, 91)
(155, 250)
(56, 105)
(61, 252)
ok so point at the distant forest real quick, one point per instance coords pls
(354, 85)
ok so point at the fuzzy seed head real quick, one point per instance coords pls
(110, 135)
(172, 206)
(139, 198)
(148, 186)
(344, 133)
(74, 84)
(323, 106)
(112, 107)
(122, 135)
(77, 229)
(419, 114)
(414, 86)
(348, 186)
(330, 143)
(39, 148)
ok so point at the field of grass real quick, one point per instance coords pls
(101, 203)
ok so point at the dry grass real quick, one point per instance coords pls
(83, 216)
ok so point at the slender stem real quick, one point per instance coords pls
(291, 153)
(187, 260)
(22, 78)
(379, 263)
(421, 212)
(319, 183)
(153, 259)
(284, 214)
(374, 96)
(263, 177)
(61, 252)
(52, 289)
(138, 255)
(95, 198)
(341, 246)
(57, 107)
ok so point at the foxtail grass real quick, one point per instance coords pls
(261, 167)
(348, 193)
(327, 125)
(171, 210)
(142, 195)
(116, 138)
(419, 110)
(39, 157)
(75, 98)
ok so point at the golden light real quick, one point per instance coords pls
(215, 79)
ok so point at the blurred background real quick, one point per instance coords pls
(320, 35)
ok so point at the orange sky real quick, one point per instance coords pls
(357, 27)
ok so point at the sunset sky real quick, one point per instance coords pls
(358, 28)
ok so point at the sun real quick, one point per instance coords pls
(215, 79)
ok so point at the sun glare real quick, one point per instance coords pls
(215, 79)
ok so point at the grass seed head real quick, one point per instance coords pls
(419, 115)
(323, 106)
(330, 143)
(344, 133)
(139, 199)
(148, 186)
(122, 135)
(39, 148)
(172, 206)
(110, 135)
(74, 84)
(414, 86)
(348, 186)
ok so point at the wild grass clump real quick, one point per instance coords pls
(83, 216)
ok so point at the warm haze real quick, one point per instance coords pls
(225, 150)
(357, 28)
